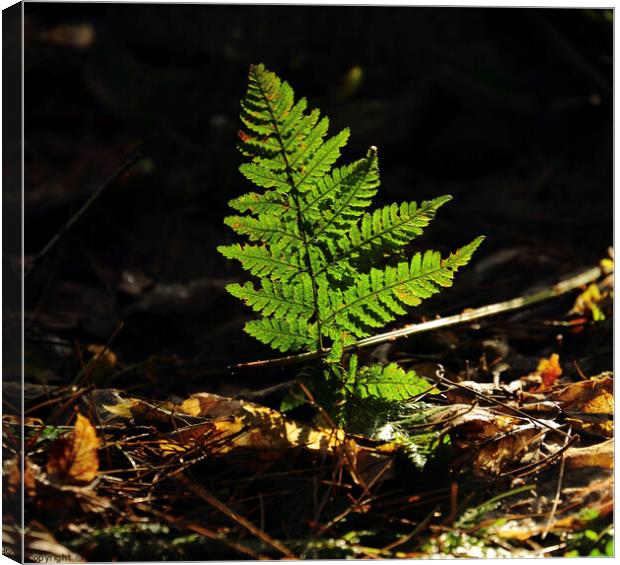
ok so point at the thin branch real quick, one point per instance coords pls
(201, 492)
(82, 211)
(558, 490)
(554, 291)
(439, 376)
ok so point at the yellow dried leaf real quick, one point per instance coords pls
(601, 404)
(74, 458)
(588, 301)
(258, 427)
(236, 424)
(594, 396)
(607, 266)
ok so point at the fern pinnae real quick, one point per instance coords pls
(410, 283)
(365, 181)
(316, 133)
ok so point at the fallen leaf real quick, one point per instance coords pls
(237, 424)
(576, 395)
(599, 455)
(549, 370)
(74, 458)
(491, 442)
(79, 36)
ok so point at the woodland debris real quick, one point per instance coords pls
(221, 425)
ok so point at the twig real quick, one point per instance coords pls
(82, 211)
(439, 375)
(469, 316)
(242, 521)
(558, 490)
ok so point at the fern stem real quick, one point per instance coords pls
(295, 195)
(554, 291)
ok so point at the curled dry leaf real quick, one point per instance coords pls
(490, 441)
(73, 459)
(584, 400)
(575, 395)
(249, 425)
(599, 455)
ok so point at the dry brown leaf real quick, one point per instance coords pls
(575, 395)
(594, 396)
(14, 480)
(137, 408)
(74, 458)
(494, 457)
(237, 424)
(258, 427)
(599, 455)
(489, 441)
(79, 36)
(103, 362)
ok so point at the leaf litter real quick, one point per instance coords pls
(520, 466)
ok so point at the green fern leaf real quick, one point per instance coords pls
(384, 231)
(284, 335)
(342, 197)
(389, 382)
(267, 228)
(262, 262)
(374, 298)
(277, 299)
(317, 250)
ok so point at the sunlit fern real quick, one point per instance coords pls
(319, 256)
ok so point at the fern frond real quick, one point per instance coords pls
(315, 248)
(269, 202)
(262, 262)
(389, 382)
(266, 177)
(277, 299)
(266, 228)
(344, 195)
(376, 297)
(284, 335)
(385, 230)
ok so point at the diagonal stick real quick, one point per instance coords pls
(554, 291)
(82, 211)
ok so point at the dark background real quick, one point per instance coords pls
(508, 110)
